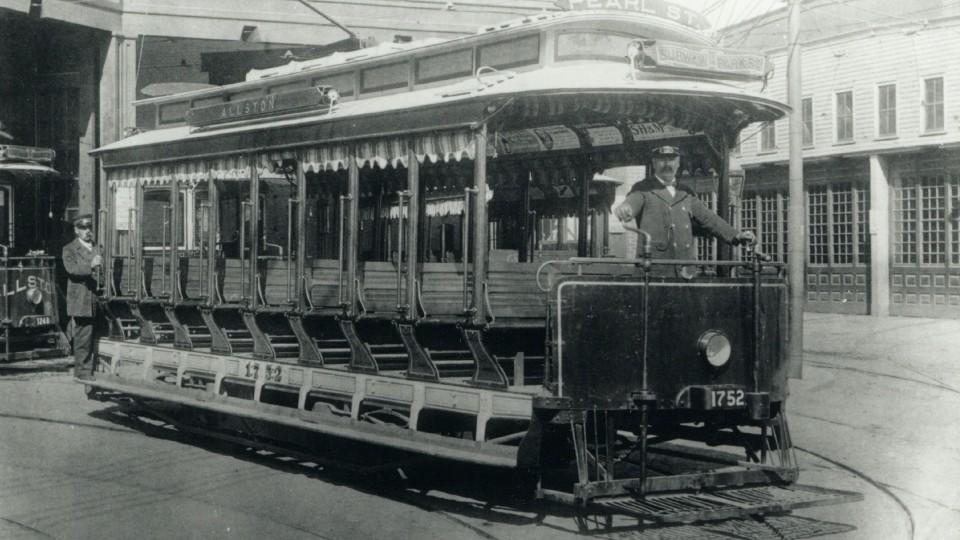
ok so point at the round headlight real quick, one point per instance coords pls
(715, 347)
(34, 295)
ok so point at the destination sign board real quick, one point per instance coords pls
(655, 8)
(731, 63)
(26, 153)
(317, 97)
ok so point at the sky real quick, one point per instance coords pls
(722, 13)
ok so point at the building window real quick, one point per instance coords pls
(765, 214)
(818, 249)
(737, 149)
(842, 227)
(845, 116)
(905, 224)
(953, 217)
(838, 230)
(933, 104)
(707, 246)
(863, 226)
(925, 217)
(768, 137)
(807, 117)
(887, 110)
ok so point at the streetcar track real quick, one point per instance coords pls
(67, 423)
(877, 484)
(938, 385)
(71, 512)
(25, 527)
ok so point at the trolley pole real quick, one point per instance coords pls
(797, 219)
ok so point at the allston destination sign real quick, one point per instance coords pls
(270, 104)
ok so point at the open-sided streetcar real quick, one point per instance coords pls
(32, 198)
(370, 247)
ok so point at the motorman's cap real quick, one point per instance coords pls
(83, 220)
(666, 151)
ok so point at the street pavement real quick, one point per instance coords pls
(882, 397)
(876, 413)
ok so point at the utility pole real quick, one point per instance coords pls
(795, 214)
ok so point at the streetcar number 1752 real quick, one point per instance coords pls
(727, 398)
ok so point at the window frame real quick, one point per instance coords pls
(803, 110)
(913, 183)
(837, 118)
(878, 92)
(943, 104)
(771, 128)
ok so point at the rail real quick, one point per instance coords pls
(101, 240)
(205, 212)
(343, 200)
(465, 247)
(401, 195)
(755, 258)
(290, 203)
(133, 242)
(243, 246)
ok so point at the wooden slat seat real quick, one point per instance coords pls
(323, 284)
(513, 296)
(273, 282)
(228, 281)
(192, 277)
(380, 289)
(441, 290)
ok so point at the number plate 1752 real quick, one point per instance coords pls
(726, 398)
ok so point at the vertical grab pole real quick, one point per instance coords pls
(163, 249)
(340, 301)
(138, 243)
(254, 230)
(290, 205)
(480, 223)
(243, 247)
(301, 273)
(465, 248)
(205, 249)
(103, 248)
(413, 219)
(212, 232)
(131, 250)
(353, 226)
(400, 197)
(175, 212)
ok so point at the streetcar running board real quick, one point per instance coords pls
(724, 503)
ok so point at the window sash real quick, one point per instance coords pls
(933, 104)
(926, 231)
(887, 110)
(845, 116)
(768, 136)
(807, 117)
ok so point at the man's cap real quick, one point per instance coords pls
(665, 151)
(84, 220)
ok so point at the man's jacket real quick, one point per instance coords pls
(80, 281)
(669, 219)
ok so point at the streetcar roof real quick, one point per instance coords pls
(26, 167)
(612, 80)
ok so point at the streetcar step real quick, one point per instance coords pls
(724, 503)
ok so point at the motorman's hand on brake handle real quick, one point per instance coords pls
(745, 238)
(624, 212)
(96, 261)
